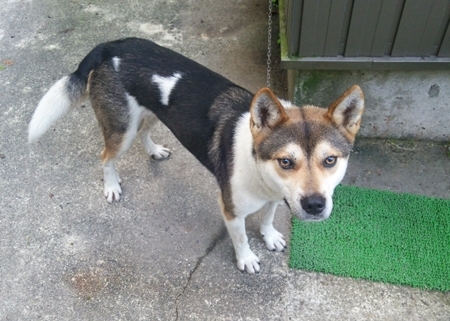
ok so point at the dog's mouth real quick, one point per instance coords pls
(287, 203)
(311, 218)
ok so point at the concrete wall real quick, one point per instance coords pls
(399, 104)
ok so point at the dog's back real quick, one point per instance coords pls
(179, 91)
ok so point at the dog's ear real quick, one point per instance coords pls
(346, 112)
(266, 111)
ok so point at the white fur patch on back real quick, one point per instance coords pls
(166, 85)
(116, 63)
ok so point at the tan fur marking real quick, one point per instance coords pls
(311, 185)
(88, 84)
(113, 140)
(110, 151)
(226, 214)
(259, 138)
(299, 160)
(310, 112)
(298, 115)
(317, 170)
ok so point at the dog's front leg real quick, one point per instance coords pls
(274, 240)
(246, 259)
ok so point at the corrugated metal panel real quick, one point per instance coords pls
(444, 51)
(420, 27)
(379, 33)
(294, 19)
(387, 25)
(339, 20)
(318, 28)
(314, 28)
(362, 29)
(435, 28)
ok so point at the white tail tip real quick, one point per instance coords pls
(54, 105)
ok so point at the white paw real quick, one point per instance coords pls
(274, 240)
(159, 152)
(249, 263)
(112, 191)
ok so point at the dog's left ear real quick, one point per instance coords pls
(266, 112)
(346, 112)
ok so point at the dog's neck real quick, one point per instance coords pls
(248, 184)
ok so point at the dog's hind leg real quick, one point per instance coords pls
(112, 189)
(274, 240)
(118, 114)
(118, 119)
(154, 150)
(116, 144)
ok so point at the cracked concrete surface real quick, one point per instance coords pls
(161, 253)
(220, 237)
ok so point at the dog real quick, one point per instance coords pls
(262, 150)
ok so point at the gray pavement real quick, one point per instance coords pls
(162, 253)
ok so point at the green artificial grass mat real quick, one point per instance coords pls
(382, 236)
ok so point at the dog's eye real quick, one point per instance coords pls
(285, 163)
(330, 161)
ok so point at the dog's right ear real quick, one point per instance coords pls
(266, 112)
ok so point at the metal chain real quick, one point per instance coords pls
(269, 43)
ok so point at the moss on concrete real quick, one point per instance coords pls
(319, 87)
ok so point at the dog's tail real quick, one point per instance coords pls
(67, 93)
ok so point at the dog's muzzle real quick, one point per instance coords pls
(313, 204)
(313, 207)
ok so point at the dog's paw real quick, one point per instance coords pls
(112, 191)
(249, 263)
(159, 152)
(274, 240)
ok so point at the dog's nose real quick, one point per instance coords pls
(313, 204)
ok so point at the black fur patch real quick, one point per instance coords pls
(203, 106)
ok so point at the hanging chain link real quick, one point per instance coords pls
(269, 43)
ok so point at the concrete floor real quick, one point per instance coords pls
(162, 253)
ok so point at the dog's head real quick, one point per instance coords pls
(302, 153)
